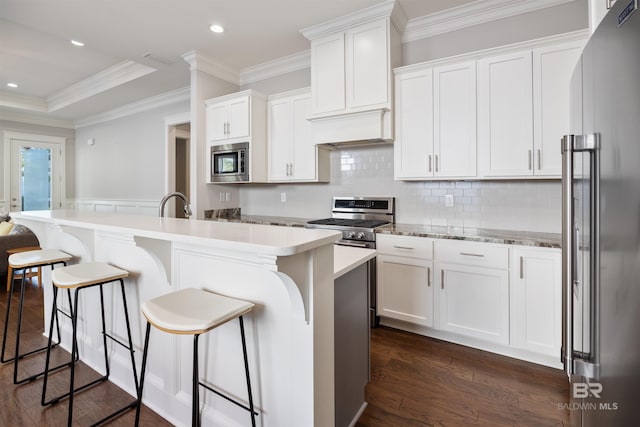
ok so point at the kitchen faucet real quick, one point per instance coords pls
(187, 208)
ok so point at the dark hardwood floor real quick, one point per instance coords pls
(419, 381)
(20, 404)
(416, 381)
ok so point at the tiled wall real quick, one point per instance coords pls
(516, 205)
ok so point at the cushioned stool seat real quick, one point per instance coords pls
(194, 312)
(86, 274)
(26, 260)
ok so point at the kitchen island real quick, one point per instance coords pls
(287, 272)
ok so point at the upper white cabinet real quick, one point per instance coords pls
(436, 122)
(351, 74)
(350, 70)
(536, 299)
(292, 154)
(552, 70)
(505, 115)
(235, 118)
(523, 106)
(228, 118)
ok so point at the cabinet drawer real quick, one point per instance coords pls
(405, 246)
(472, 253)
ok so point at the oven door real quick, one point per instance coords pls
(229, 163)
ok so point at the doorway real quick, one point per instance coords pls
(36, 165)
(178, 152)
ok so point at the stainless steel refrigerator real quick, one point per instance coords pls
(601, 226)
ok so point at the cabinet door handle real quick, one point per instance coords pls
(441, 279)
(530, 157)
(539, 159)
(436, 163)
(522, 267)
(290, 169)
(429, 162)
(470, 254)
(403, 247)
(428, 277)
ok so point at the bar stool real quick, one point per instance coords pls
(23, 261)
(79, 277)
(193, 312)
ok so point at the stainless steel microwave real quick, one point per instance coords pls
(230, 163)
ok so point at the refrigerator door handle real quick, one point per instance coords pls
(577, 363)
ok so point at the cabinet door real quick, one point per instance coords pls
(473, 301)
(367, 65)
(537, 295)
(413, 147)
(454, 124)
(238, 117)
(280, 139)
(552, 70)
(505, 119)
(405, 290)
(327, 73)
(216, 122)
(304, 151)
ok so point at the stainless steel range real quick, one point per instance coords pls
(357, 218)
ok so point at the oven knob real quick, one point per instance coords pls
(360, 235)
(351, 234)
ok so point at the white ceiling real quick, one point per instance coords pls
(61, 81)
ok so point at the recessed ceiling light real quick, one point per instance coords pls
(14, 85)
(77, 43)
(216, 28)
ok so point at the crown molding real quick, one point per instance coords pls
(178, 95)
(477, 12)
(23, 102)
(343, 23)
(199, 62)
(276, 67)
(36, 120)
(121, 73)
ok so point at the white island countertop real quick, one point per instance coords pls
(264, 239)
(346, 258)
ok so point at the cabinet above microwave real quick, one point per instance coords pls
(238, 118)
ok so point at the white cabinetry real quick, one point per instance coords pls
(505, 115)
(235, 118)
(552, 70)
(523, 106)
(536, 298)
(472, 280)
(405, 280)
(292, 154)
(436, 122)
(228, 119)
(350, 70)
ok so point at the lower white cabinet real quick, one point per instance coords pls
(536, 298)
(497, 297)
(405, 280)
(473, 301)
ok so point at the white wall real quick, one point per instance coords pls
(368, 171)
(127, 160)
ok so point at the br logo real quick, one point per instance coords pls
(584, 390)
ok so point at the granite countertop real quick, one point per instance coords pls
(508, 237)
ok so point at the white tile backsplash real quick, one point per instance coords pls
(368, 171)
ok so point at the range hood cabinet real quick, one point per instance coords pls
(362, 128)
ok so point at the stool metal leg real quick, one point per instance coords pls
(246, 370)
(195, 401)
(17, 355)
(143, 369)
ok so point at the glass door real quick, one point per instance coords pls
(35, 175)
